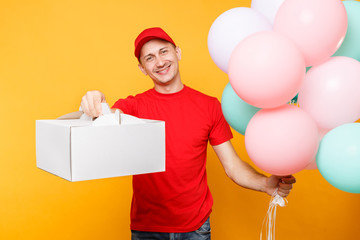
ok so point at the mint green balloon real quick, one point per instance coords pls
(338, 157)
(236, 111)
(351, 45)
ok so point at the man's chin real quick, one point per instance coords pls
(163, 82)
(163, 79)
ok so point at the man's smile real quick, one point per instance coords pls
(163, 70)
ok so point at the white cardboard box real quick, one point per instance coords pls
(75, 150)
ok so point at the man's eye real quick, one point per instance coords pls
(164, 51)
(148, 59)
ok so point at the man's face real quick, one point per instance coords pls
(159, 59)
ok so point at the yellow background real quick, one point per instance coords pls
(52, 52)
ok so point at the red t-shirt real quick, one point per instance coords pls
(177, 200)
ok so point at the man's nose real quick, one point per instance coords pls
(160, 62)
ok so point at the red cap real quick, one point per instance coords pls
(150, 34)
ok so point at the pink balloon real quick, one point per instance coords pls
(266, 70)
(313, 165)
(281, 141)
(318, 27)
(331, 92)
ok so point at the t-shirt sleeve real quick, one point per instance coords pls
(127, 105)
(220, 131)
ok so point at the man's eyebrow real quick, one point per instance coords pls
(163, 48)
(149, 54)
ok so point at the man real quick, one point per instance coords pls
(176, 204)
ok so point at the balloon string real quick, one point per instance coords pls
(270, 218)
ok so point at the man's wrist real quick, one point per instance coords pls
(264, 184)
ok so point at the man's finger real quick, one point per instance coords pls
(288, 180)
(84, 105)
(90, 99)
(285, 186)
(98, 108)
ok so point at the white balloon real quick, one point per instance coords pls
(230, 28)
(268, 8)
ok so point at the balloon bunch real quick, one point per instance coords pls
(265, 50)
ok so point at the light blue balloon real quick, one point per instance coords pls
(236, 111)
(351, 47)
(338, 157)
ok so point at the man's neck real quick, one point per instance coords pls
(169, 88)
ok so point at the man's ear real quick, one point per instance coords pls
(142, 69)
(178, 52)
